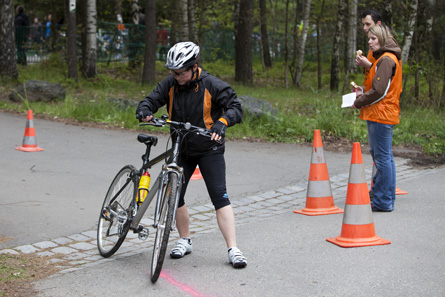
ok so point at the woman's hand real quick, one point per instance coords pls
(362, 61)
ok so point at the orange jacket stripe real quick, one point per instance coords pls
(170, 103)
(207, 109)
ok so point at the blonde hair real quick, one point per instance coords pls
(381, 32)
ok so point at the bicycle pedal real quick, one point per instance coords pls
(143, 235)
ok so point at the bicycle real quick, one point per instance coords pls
(121, 211)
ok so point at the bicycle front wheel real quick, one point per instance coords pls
(117, 211)
(167, 207)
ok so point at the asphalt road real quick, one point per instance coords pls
(59, 191)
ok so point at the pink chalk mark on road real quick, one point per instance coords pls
(182, 287)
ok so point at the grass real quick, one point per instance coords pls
(300, 110)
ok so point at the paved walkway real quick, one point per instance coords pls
(79, 251)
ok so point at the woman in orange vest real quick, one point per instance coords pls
(379, 106)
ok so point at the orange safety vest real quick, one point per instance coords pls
(385, 111)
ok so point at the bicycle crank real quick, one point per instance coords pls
(141, 232)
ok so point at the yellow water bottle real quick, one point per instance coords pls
(144, 185)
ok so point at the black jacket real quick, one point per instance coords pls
(21, 28)
(201, 102)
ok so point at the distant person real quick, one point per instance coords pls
(48, 27)
(379, 107)
(37, 32)
(162, 41)
(21, 34)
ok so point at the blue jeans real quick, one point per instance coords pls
(384, 181)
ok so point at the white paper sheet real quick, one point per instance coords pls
(348, 100)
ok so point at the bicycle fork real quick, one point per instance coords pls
(166, 170)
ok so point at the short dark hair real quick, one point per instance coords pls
(375, 15)
(20, 9)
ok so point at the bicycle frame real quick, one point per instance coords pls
(158, 188)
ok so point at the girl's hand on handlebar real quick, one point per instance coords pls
(218, 131)
(144, 115)
(147, 119)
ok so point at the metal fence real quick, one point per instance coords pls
(125, 42)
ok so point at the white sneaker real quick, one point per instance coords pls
(183, 247)
(236, 258)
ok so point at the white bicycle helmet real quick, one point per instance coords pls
(182, 55)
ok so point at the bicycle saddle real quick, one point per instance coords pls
(148, 140)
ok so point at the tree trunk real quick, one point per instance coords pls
(296, 30)
(417, 60)
(173, 9)
(302, 45)
(409, 35)
(267, 62)
(148, 74)
(90, 67)
(243, 43)
(335, 62)
(184, 25)
(387, 14)
(135, 12)
(192, 21)
(274, 29)
(442, 101)
(286, 46)
(71, 43)
(352, 36)
(350, 44)
(319, 18)
(8, 58)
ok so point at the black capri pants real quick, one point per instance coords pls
(213, 169)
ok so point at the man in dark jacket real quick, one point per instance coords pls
(193, 95)
(21, 34)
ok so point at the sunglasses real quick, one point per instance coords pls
(179, 74)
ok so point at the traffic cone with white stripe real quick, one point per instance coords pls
(29, 140)
(196, 174)
(319, 198)
(358, 224)
(374, 171)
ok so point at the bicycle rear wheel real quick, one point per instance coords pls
(167, 207)
(116, 212)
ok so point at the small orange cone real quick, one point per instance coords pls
(358, 224)
(400, 192)
(319, 198)
(374, 171)
(29, 140)
(197, 174)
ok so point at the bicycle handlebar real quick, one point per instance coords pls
(183, 126)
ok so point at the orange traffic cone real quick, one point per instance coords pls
(400, 192)
(374, 171)
(319, 198)
(196, 174)
(29, 140)
(358, 225)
